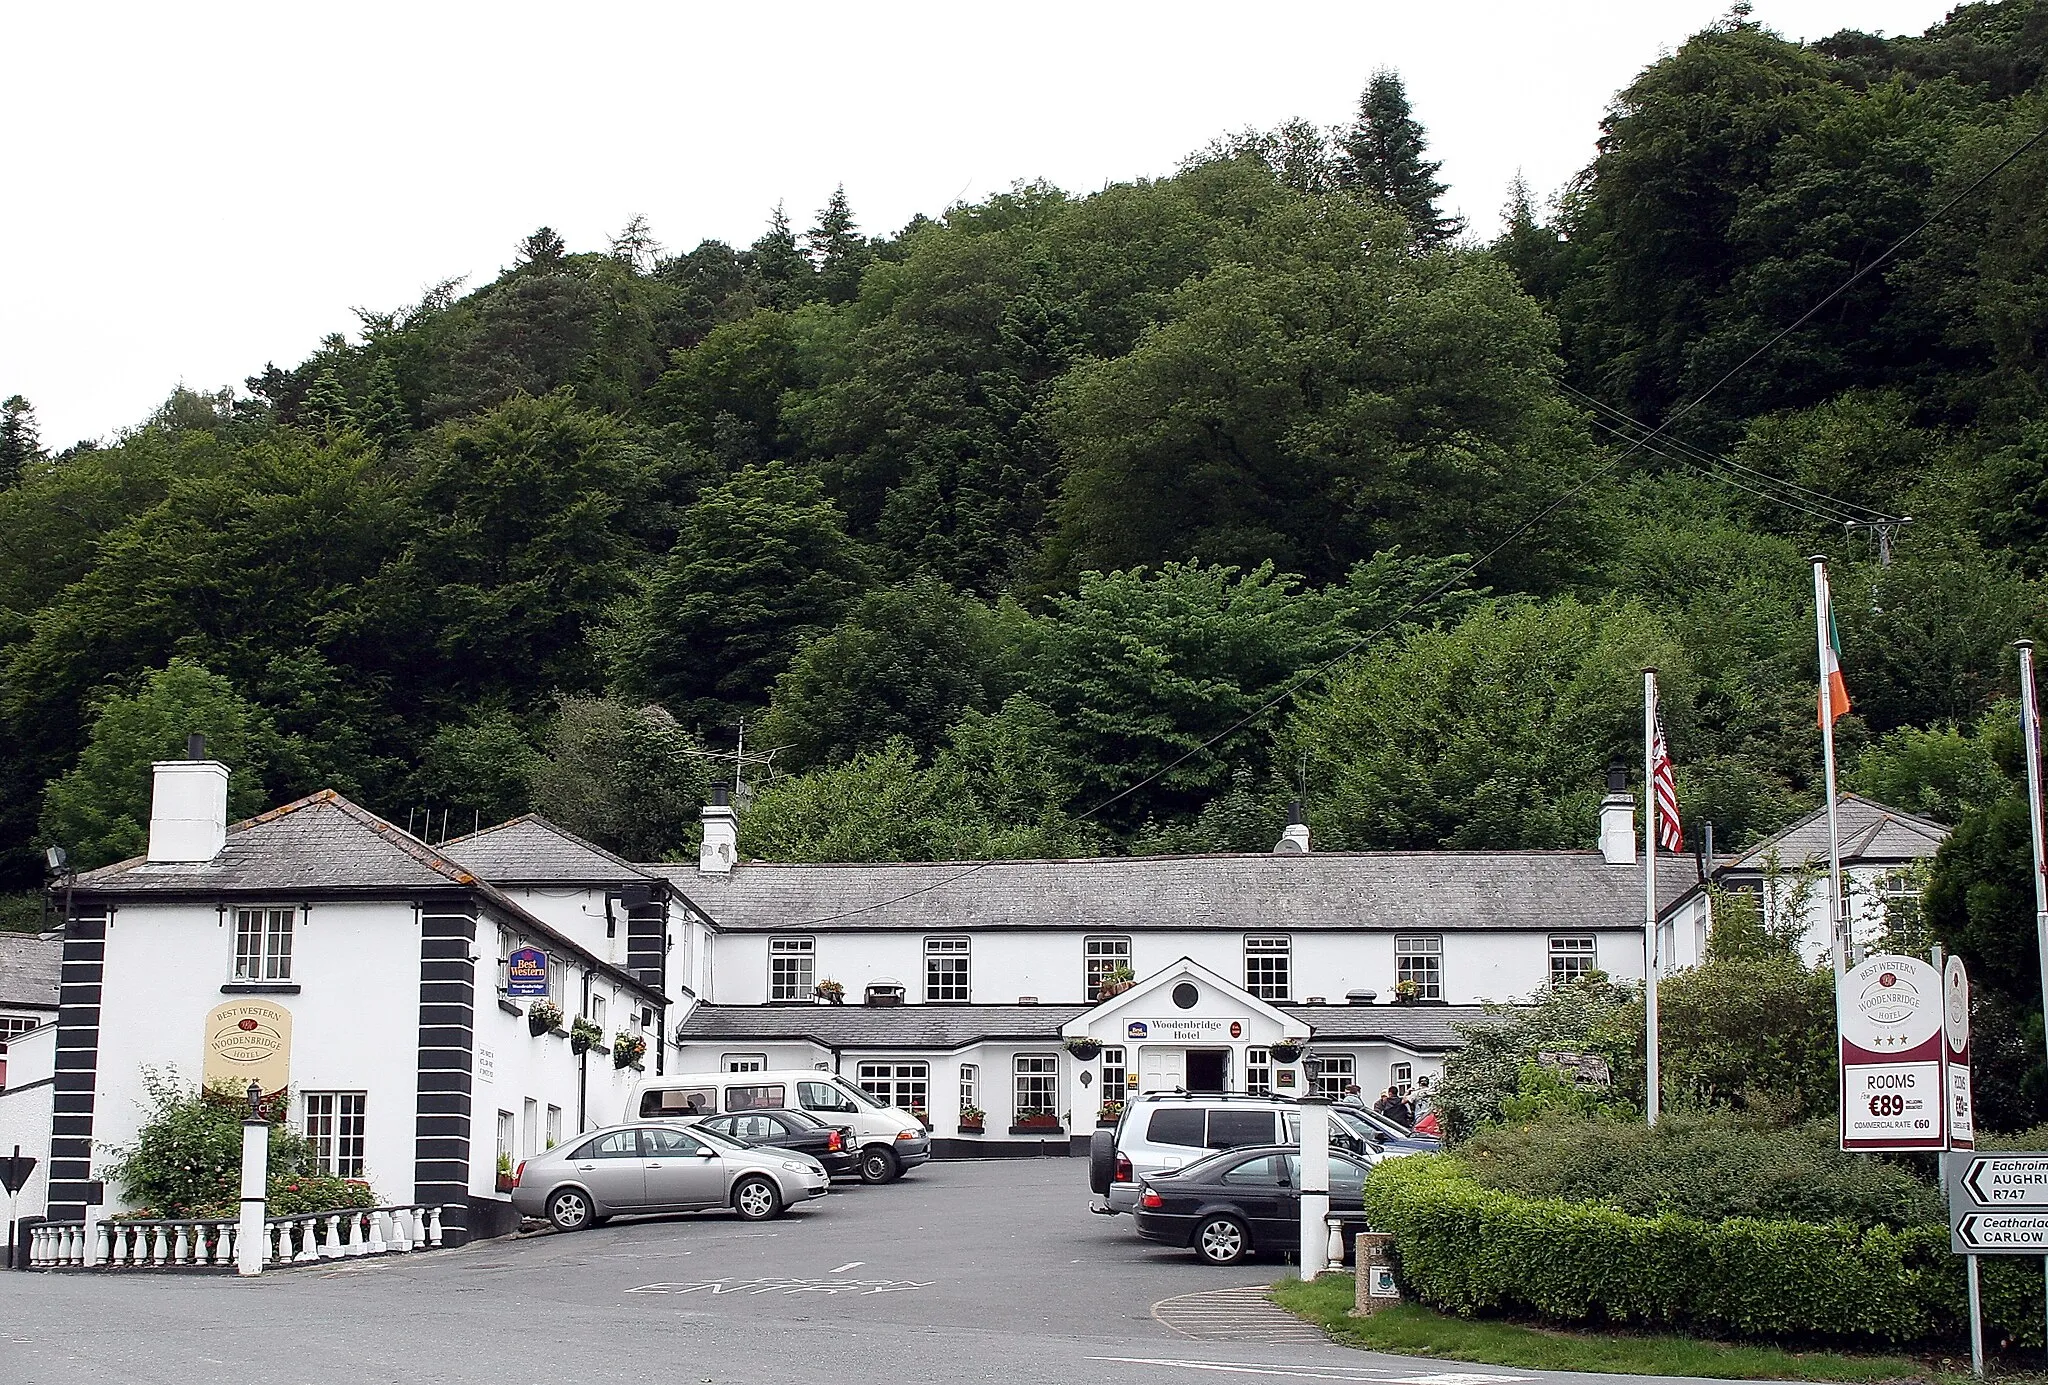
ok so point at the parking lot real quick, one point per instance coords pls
(980, 1271)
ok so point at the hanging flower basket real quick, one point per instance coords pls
(1407, 992)
(830, 991)
(584, 1036)
(1286, 1051)
(628, 1049)
(543, 1016)
(1084, 1048)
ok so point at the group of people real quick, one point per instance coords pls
(1408, 1109)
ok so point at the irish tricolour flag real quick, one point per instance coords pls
(1834, 698)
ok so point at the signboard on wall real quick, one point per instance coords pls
(1185, 1029)
(526, 972)
(248, 1040)
(1889, 1019)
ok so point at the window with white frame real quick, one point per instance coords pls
(1267, 966)
(597, 1011)
(1038, 1080)
(529, 1128)
(790, 968)
(970, 1086)
(1334, 1073)
(1115, 1071)
(334, 1131)
(10, 1025)
(1258, 1071)
(505, 1135)
(554, 1126)
(1102, 955)
(1571, 957)
(907, 1085)
(1401, 1077)
(745, 1062)
(945, 969)
(263, 944)
(1419, 957)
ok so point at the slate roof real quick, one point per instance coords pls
(1432, 890)
(323, 844)
(1869, 830)
(1424, 1028)
(29, 967)
(530, 850)
(320, 842)
(877, 1026)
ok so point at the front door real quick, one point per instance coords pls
(681, 1171)
(1208, 1069)
(1162, 1069)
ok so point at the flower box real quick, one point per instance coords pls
(1037, 1123)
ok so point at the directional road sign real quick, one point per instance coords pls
(1998, 1203)
(2001, 1233)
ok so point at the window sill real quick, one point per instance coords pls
(508, 1007)
(1038, 1130)
(260, 988)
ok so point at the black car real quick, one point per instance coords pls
(1242, 1200)
(834, 1146)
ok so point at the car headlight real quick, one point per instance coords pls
(794, 1167)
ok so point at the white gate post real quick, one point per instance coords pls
(250, 1243)
(1315, 1185)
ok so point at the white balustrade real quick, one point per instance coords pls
(209, 1243)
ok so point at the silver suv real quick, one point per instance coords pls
(1162, 1131)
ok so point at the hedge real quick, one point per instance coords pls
(1469, 1250)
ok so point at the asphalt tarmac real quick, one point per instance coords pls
(961, 1272)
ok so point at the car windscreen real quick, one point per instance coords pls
(860, 1098)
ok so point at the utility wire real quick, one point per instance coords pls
(1294, 684)
(1759, 492)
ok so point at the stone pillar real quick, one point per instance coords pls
(251, 1239)
(1372, 1254)
(1315, 1185)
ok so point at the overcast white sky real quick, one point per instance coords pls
(196, 189)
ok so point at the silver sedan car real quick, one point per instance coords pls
(654, 1167)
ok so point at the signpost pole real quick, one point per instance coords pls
(1976, 1321)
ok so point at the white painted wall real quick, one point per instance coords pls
(25, 1109)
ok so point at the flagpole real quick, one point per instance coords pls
(1837, 911)
(2030, 726)
(1650, 949)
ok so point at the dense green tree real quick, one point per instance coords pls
(905, 662)
(481, 769)
(1494, 732)
(327, 405)
(542, 251)
(760, 564)
(19, 444)
(838, 249)
(623, 776)
(779, 266)
(384, 416)
(1941, 772)
(1383, 155)
(99, 811)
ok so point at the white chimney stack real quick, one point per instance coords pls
(721, 835)
(1618, 819)
(188, 807)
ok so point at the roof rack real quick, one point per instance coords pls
(1268, 1099)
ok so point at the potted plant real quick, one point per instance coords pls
(584, 1036)
(1083, 1047)
(543, 1016)
(971, 1118)
(1407, 991)
(1032, 1119)
(1115, 981)
(628, 1049)
(1287, 1051)
(830, 991)
(922, 1117)
(1112, 1111)
(504, 1173)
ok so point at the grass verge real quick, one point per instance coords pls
(1409, 1329)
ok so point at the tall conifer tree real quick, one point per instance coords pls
(1383, 154)
(19, 444)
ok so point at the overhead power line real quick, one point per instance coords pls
(1572, 492)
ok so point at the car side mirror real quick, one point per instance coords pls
(707, 1154)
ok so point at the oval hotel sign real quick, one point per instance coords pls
(248, 1041)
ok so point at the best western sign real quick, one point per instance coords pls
(1894, 1055)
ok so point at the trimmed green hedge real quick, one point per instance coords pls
(1468, 1249)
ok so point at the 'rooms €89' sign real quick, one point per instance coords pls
(248, 1040)
(1888, 1012)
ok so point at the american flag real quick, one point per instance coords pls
(1670, 832)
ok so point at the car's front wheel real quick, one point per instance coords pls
(757, 1199)
(878, 1165)
(1222, 1241)
(570, 1210)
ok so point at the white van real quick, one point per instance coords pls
(891, 1139)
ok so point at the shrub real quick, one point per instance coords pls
(1471, 1249)
(316, 1192)
(1589, 1016)
(186, 1159)
(1709, 1166)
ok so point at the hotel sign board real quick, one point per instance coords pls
(1889, 1014)
(248, 1040)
